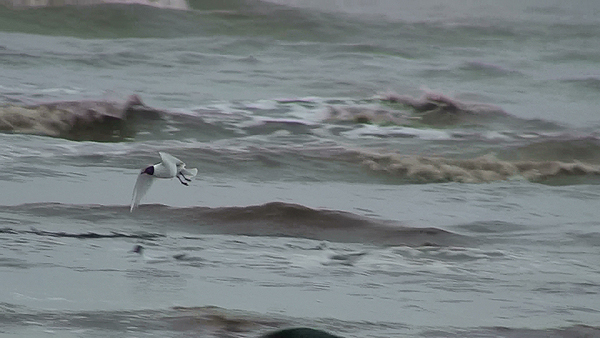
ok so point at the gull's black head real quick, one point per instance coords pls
(149, 170)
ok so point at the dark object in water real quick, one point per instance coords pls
(300, 332)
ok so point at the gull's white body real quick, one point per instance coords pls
(170, 167)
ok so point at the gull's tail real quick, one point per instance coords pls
(189, 173)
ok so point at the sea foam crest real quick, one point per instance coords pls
(475, 170)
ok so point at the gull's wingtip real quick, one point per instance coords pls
(168, 158)
(132, 206)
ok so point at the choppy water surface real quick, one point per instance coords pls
(380, 169)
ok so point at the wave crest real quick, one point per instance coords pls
(294, 220)
(431, 109)
(437, 109)
(477, 170)
(78, 120)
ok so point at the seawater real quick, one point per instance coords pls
(370, 169)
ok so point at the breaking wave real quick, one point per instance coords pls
(432, 109)
(120, 121)
(476, 170)
(439, 110)
(77, 120)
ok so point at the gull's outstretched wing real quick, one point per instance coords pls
(143, 183)
(168, 159)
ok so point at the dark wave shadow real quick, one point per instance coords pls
(275, 219)
(293, 220)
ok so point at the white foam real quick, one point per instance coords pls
(369, 130)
